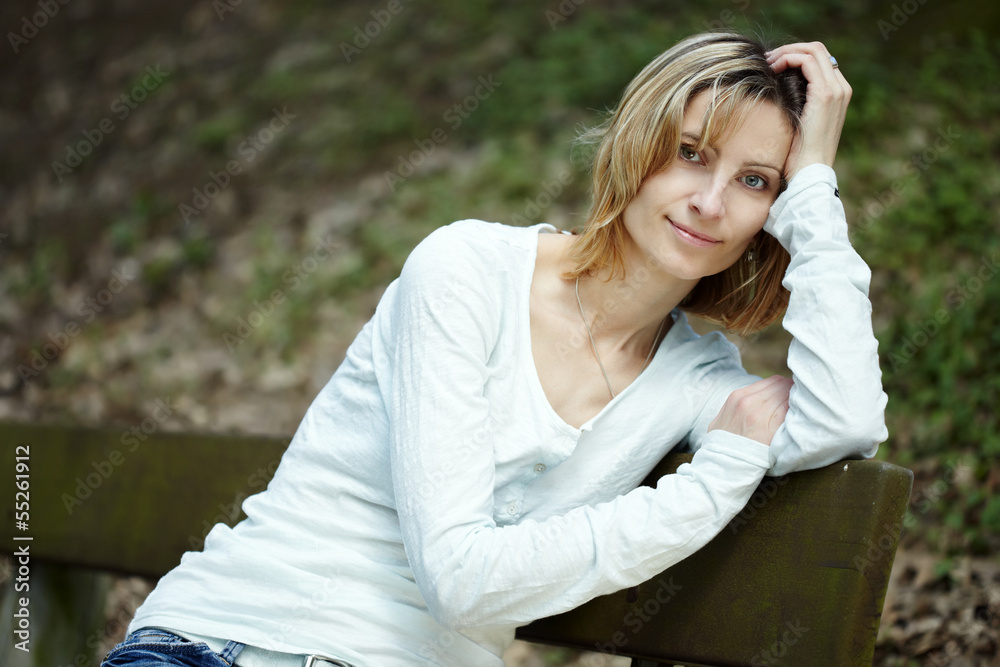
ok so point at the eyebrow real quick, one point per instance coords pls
(697, 139)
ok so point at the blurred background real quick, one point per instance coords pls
(202, 201)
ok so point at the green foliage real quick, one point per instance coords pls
(30, 280)
(991, 515)
(918, 169)
(214, 134)
(925, 221)
(197, 251)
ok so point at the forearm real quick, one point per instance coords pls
(485, 575)
(837, 402)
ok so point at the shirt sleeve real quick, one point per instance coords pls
(836, 405)
(441, 328)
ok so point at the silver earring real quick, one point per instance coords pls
(751, 255)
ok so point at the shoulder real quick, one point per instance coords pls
(702, 361)
(468, 260)
(468, 245)
(709, 349)
(479, 236)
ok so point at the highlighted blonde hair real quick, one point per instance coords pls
(643, 136)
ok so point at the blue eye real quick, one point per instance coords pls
(755, 182)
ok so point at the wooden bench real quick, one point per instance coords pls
(797, 579)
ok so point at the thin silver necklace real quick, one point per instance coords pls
(594, 345)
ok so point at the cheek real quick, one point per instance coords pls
(736, 253)
(753, 215)
(751, 224)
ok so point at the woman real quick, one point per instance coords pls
(472, 464)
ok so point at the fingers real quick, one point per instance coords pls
(771, 396)
(776, 391)
(790, 55)
(827, 97)
(775, 404)
(757, 410)
(814, 61)
(764, 391)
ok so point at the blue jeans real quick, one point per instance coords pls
(154, 648)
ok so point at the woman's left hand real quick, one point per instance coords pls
(827, 97)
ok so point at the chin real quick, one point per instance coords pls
(685, 267)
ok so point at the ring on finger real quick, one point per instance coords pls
(833, 61)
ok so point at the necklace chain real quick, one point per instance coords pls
(594, 345)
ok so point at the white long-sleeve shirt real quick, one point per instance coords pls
(432, 500)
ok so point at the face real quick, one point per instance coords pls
(696, 217)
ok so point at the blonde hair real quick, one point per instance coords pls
(643, 136)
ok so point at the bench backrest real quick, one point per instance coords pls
(798, 578)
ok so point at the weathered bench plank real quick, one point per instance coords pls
(798, 578)
(127, 507)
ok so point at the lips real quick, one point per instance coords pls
(691, 236)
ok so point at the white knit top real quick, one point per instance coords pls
(432, 500)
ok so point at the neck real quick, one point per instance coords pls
(626, 312)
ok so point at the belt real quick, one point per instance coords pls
(317, 660)
(255, 656)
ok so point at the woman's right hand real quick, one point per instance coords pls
(755, 411)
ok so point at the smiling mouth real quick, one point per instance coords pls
(690, 236)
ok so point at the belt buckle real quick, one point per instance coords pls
(316, 660)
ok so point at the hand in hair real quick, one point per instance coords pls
(755, 411)
(827, 97)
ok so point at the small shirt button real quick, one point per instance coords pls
(539, 468)
(513, 508)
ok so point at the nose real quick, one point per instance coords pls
(707, 199)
